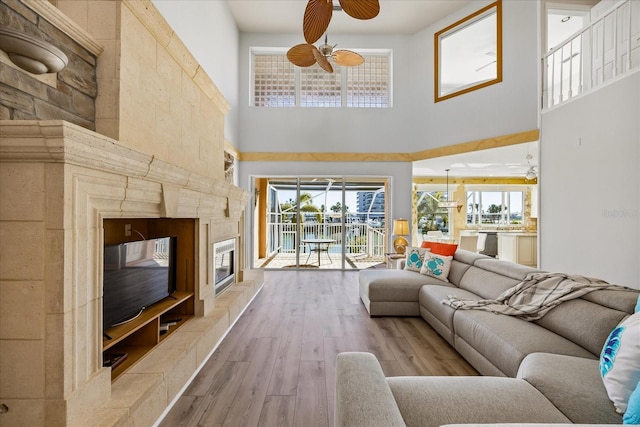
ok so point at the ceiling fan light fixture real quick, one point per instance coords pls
(306, 55)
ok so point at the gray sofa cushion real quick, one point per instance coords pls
(469, 257)
(486, 284)
(434, 401)
(617, 300)
(583, 322)
(363, 397)
(488, 278)
(506, 340)
(572, 384)
(432, 309)
(505, 268)
(393, 285)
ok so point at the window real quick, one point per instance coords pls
(368, 84)
(278, 83)
(494, 207)
(430, 216)
(274, 84)
(319, 88)
(468, 53)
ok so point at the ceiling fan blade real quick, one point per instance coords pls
(347, 58)
(302, 55)
(317, 16)
(323, 62)
(361, 9)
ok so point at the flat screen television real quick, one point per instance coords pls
(136, 275)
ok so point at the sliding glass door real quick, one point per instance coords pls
(320, 222)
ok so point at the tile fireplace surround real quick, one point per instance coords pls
(58, 182)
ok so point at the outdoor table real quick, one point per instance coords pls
(318, 245)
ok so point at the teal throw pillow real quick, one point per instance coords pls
(436, 266)
(620, 362)
(632, 416)
(415, 258)
(638, 304)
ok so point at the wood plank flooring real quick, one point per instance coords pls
(276, 367)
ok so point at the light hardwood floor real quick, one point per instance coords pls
(276, 367)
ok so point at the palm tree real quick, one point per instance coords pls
(306, 205)
(428, 213)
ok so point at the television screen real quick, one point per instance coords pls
(136, 275)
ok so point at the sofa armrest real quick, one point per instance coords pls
(363, 396)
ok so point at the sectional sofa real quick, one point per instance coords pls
(543, 371)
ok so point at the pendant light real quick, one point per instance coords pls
(449, 203)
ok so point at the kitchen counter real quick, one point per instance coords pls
(519, 247)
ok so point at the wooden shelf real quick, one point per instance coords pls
(139, 336)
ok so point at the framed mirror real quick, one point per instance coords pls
(468, 53)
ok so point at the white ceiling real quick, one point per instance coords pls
(510, 161)
(395, 17)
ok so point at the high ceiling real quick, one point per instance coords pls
(396, 17)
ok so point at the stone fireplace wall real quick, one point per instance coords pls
(68, 95)
(157, 152)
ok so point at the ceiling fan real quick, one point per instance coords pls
(305, 55)
(531, 172)
(317, 15)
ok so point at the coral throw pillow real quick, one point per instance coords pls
(446, 249)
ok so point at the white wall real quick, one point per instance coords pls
(590, 185)
(303, 129)
(414, 123)
(209, 31)
(500, 109)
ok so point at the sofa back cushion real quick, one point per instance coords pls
(506, 268)
(489, 277)
(583, 322)
(486, 284)
(462, 261)
(617, 300)
(456, 271)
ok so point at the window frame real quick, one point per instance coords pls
(253, 51)
(505, 201)
(460, 25)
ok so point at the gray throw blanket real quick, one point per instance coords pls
(535, 295)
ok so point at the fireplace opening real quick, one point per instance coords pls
(224, 265)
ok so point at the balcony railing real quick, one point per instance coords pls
(360, 239)
(607, 48)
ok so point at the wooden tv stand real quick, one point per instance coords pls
(137, 337)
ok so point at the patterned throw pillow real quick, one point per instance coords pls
(437, 266)
(620, 362)
(415, 257)
(632, 415)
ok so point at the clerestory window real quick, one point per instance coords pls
(278, 83)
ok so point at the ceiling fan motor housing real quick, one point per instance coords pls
(326, 49)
